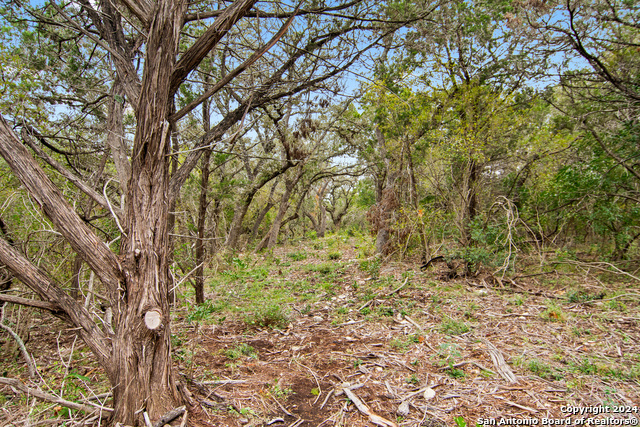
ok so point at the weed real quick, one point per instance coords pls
(268, 316)
(582, 297)
(298, 256)
(371, 266)
(204, 311)
(405, 342)
(385, 311)
(450, 326)
(543, 370)
(617, 305)
(413, 379)
(324, 268)
(553, 313)
(334, 255)
(280, 392)
(342, 310)
(456, 373)
(240, 350)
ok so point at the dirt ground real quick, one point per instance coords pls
(419, 351)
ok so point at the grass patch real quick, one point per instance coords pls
(268, 316)
(240, 350)
(451, 326)
(298, 256)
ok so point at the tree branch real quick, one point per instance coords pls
(93, 250)
(80, 184)
(17, 385)
(232, 75)
(41, 284)
(45, 305)
(201, 48)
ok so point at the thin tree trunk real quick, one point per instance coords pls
(202, 212)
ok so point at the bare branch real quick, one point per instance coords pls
(49, 397)
(45, 305)
(80, 184)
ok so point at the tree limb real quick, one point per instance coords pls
(18, 385)
(246, 64)
(80, 184)
(74, 313)
(45, 305)
(201, 48)
(81, 238)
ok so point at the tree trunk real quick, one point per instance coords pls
(142, 374)
(271, 238)
(202, 212)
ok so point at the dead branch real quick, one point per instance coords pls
(19, 386)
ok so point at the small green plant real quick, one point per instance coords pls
(450, 326)
(405, 342)
(334, 255)
(582, 296)
(543, 370)
(240, 350)
(553, 313)
(413, 379)
(268, 316)
(455, 372)
(385, 311)
(279, 392)
(204, 311)
(297, 256)
(239, 263)
(371, 266)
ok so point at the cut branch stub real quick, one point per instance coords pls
(153, 319)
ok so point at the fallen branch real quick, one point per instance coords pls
(376, 419)
(170, 416)
(399, 287)
(508, 402)
(19, 386)
(501, 366)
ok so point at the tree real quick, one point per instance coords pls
(151, 56)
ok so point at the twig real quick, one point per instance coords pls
(23, 349)
(365, 305)
(413, 322)
(17, 385)
(376, 419)
(508, 402)
(147, 420)
(399, 287)
(223, 382)
(170, 416)
(297, 423)
(282, 407)
(315, 377)
(326, 398)
(498, 361)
